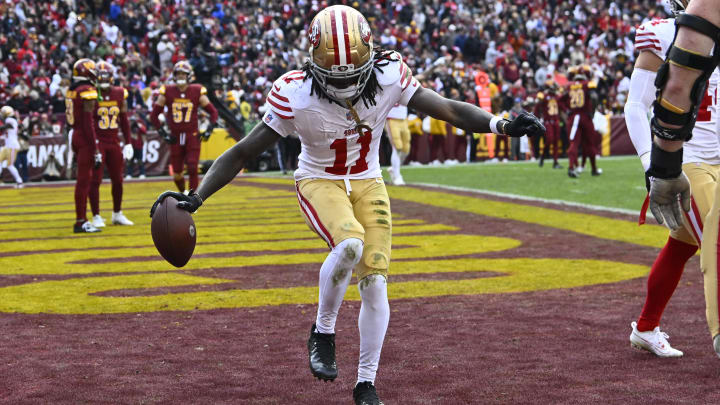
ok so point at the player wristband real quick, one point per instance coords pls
(664, 164)
(494, 121)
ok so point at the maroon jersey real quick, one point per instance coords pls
(75, 97)
(578, 97)
(182, 107)
(549, 106)
(107, 113)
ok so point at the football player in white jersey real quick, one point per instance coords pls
(9, 151)
(398, 131)
(338, 104)
(701, 164)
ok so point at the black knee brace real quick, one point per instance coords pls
(688, 59)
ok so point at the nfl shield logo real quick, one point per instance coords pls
(268, 118)
(348, 116)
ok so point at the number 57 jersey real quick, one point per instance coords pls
(183, 107)
(332, 148)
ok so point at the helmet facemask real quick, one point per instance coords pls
(678, 6)
(343, 82)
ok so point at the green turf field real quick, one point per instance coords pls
(621, 184)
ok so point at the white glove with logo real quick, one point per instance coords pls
(128, 152)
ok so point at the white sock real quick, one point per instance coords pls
(14, 172)
(395, 161)
(335, 275)
(372, 322)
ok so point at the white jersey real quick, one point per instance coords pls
(657, 36)
(398, 112)
(11, 134)
(331, 146)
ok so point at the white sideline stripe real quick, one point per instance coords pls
(534, 199)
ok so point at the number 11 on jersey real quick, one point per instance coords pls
(340, 146)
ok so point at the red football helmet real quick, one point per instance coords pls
(182, 67)
(105, 74)
(84, 69)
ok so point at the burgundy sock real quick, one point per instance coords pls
(662, 281)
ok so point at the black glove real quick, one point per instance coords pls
(167, 137)
(190, 202)
(98, 159)
(206, 135)
(524, 124)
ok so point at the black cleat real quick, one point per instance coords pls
(597, 172)
(572, 173)
(321, 352)
(556, 165)
(542, 161)
(365, 394)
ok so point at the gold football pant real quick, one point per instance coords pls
(341, 209)
(400, 134)
(701, 224)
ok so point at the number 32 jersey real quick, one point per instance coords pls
(657, 36)
(331, 146)
(107, 114)
(182, 107)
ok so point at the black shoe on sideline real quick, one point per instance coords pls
(365, 394)
(556, 165)
(321, 352)
(572, 173)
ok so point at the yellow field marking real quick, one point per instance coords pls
(417, 247)
(75, 296)
(235, 232)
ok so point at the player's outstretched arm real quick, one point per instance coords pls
(472, 118)
(224, 168)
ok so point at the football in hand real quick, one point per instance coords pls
(173, 232)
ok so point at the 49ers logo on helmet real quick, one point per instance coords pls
(314, 36)
(365, 32)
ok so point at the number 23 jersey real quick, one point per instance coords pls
(331, 146)
(182, 107)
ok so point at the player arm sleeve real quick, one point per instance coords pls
(210, 108)
(157, 109)
(279, 115)
(640, 98)
(125, 126)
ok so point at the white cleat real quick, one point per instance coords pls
(98, 221)
(653, 341)
(399, 181)
(118, 218)
(579, 169)
(128, 177)
(85, 227)
(142, 176)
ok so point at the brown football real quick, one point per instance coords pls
(173, 232)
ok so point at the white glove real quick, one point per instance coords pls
(128, 152)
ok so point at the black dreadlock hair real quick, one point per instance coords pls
(382, 58)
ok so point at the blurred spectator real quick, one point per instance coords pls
(519, 43)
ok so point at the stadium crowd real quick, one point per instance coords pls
(246, 45)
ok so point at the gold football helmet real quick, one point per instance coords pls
(341, 52)
(6, 111)
(105, 73)
(182, 67)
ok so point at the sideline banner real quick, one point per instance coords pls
(156, 155)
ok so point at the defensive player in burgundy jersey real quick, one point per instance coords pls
(110, 117)
(80, 100)
(182, 100)
(548, 108)
(580, 99)
(701, 164)
(338, 105)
